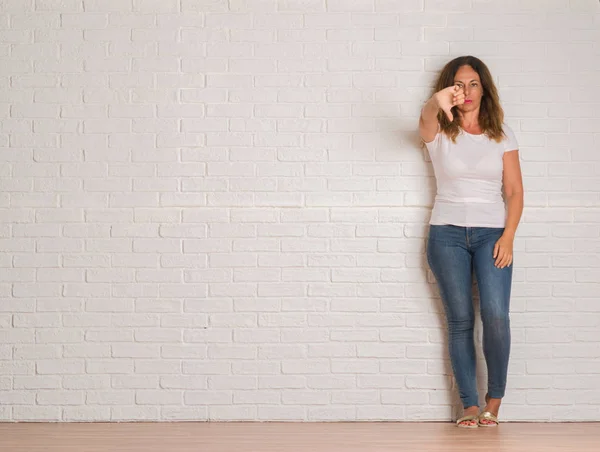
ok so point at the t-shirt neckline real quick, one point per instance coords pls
(472, 134)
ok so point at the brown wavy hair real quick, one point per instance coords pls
(491, 114)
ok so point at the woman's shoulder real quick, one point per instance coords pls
(510, 139)
(507, 129)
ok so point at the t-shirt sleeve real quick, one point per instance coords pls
(510, 142)
(435, 143)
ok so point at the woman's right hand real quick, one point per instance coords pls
(449, 98)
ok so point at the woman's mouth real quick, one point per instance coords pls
(468, 101)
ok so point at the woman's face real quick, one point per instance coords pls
(467, 79)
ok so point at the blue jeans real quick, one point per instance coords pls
(453, 253)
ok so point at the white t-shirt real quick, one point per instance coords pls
(469, 179)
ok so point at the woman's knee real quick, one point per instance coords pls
(461, 324)
(495, 321)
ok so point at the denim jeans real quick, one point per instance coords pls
(454, 253)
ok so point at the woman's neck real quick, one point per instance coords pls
(469, 120)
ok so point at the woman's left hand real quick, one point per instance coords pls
(503, 251)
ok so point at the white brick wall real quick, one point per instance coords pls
(216, 210)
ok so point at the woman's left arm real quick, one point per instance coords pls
(513, 190)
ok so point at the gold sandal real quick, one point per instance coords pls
(489, 417)
(472, 417)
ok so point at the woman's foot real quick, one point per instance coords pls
(470, 411)
(493, 406)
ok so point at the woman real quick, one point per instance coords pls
(472, 228)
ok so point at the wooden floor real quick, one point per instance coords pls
(293, 437)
